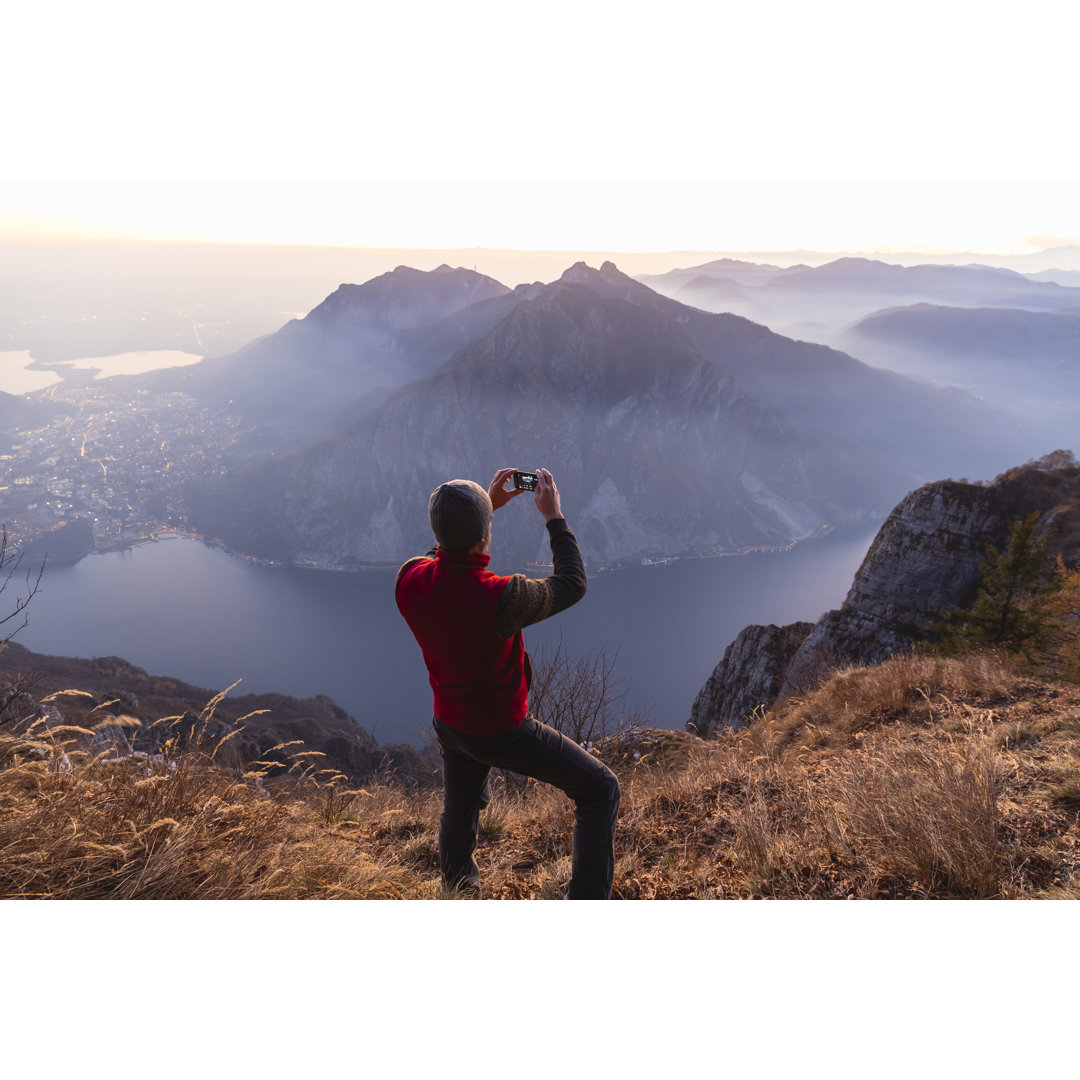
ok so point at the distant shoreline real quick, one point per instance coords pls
(628, 563)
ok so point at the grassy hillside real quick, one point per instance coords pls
(923, 777)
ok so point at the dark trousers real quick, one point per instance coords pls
(536, 750)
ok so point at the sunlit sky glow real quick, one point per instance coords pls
(593, 126)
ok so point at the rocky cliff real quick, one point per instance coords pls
(749, 676)
(927, 557)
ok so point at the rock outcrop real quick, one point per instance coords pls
(747, 677)
(926, 558)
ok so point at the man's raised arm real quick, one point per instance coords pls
(526, 601)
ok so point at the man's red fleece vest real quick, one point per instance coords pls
(479, 679)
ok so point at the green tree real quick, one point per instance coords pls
(1014, 607)
(1065, 658)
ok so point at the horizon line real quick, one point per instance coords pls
(145, 241)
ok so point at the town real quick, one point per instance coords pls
(114, 456)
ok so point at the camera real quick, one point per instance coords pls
(526, 481)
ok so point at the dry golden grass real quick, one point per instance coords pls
(922, 777)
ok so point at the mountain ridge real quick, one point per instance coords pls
(567, 362)
(606, 382)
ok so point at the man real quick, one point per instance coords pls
(468, 622)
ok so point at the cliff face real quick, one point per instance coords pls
(748, 676)
(927, 557)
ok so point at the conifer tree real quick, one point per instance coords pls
(1067, 620)
(1013, 609)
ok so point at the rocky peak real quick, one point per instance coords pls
(572, 341)
(609, 280)
(405, 298)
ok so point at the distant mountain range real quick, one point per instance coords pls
(822, 299)
(71, 299)
(1061, 258)
(1024, 361)
(669, 429)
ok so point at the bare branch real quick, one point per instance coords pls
(580, 697)
(9, 566)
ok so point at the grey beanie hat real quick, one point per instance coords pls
(460, 513)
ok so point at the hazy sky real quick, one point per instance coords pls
(575, 125)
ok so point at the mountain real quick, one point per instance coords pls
(710, 293)
(862, 274)
(1023, 361)
(17, 412)
(737, 271)
(1062, 257)
(669, 430)
(1062, 277)
(926, 558)
(293, 387)
(826, 298)
(63, 545)
(829, 391)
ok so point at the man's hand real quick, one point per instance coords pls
(497, 493)
(546, 496)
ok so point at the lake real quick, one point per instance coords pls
(179, 608)
(17, 377)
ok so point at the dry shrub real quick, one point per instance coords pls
(759, 839)
(1063, 788)
(75, 824)
(901, 689)
(928, 813)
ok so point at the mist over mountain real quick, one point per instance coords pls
(827, 390)
(65, 300)
(340, 359)
(1022, 361)
(825, 298)
(1062, 277)
(719, 294)
(735, 271)
(669, 430)
(1062, 257)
